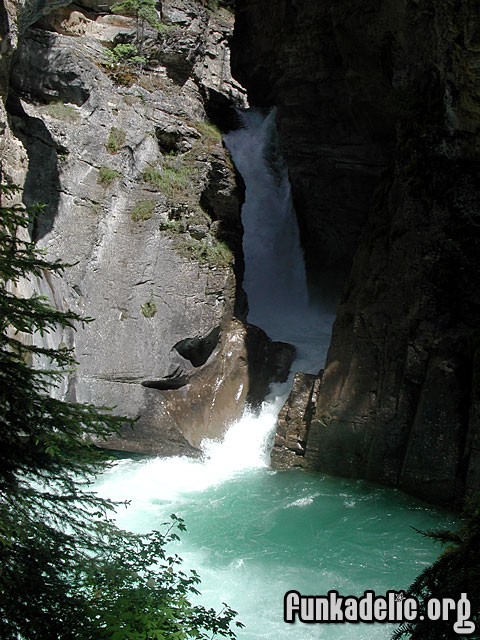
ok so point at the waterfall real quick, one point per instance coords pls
(275, 278)
(254, 533)
(244, 448)
(276, 285)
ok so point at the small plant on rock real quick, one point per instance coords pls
(210, 133)
(173, 180)
(61, 111)
(173, 226)
(106, 175)
(116, 140)
(143, 210)
(204, 251)
(152, 176)
(149, 309)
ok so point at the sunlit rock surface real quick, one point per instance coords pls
(294, 422)
(142, 199)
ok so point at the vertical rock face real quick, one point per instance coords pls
(141, 197)
(326, 66)
(294, 422)
(397, 82)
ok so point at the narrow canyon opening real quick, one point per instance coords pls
(207, 239)
(275, 278)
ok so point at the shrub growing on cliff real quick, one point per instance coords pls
(116, 140)
(145, 12)
(215, 253)
(106, 175)
(143, 210)
(173, 180)
(124, 54)
(210, 133)
(152, 176)
(66, 570)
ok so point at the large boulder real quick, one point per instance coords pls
(212, 380)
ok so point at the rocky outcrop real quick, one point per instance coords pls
(385, 85)
(211, 380)
(141, 198)
(294, 422)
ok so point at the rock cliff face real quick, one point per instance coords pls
(325, 66)
(363, 88)
(142, 198)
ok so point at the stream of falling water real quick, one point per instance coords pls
(275, 278)
(254, 533)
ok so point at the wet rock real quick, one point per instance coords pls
(201, 398)
(268, 362)
(294, 422)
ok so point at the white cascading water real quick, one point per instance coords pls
(276, 284)
(275, 278)
(245, 446)
(254, 533)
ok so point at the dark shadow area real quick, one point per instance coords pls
(268, 362)
(116, 454)
(216, 200)
(4, 26)
(42, 183)
(174, 380)
(44, 72)
(177, 50)
(220, 110)
(326, 286)
(197, 350)
(168, 141)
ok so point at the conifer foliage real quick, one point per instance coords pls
(456, 572)
(66, 570)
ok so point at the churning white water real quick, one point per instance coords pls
(254, 533)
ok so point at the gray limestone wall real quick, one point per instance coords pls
(142, 199)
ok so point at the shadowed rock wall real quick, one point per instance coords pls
(327, 67)
(363, 87)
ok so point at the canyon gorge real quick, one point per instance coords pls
(377, 105)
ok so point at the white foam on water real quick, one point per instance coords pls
(303, 502)
(246, 445)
